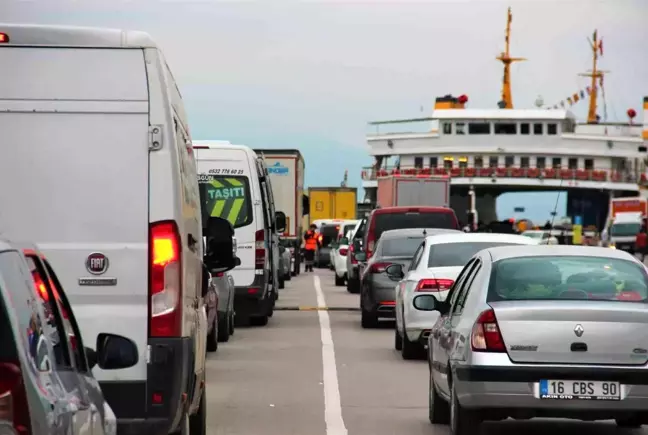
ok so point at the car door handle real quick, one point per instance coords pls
(192, 242)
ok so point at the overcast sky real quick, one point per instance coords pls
(310, 75)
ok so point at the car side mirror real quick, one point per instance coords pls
(219, 255)
(361, 256)
(426, 303)
(113, 352)
(395, 271)
(280, 221)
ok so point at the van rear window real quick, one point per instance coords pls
(226, 197)
(399, 221)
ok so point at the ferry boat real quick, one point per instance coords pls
(487, 152)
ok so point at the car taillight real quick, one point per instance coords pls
(434, 285)
(486, 336)
(259, 249)
(370, 248)
(165, 280)
(13, 401)
(379, 267)
(343, 251)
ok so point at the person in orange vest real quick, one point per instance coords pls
(641, 243)
(310, 245)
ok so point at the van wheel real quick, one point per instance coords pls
(212, 338)
(198, 421)
(259, 321)
(223, 329)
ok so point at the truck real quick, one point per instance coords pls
(409, 190)
(627, 215)
(332, 203)
(286, 172)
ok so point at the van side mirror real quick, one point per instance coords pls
(113, 352)
(219, 255)
(280, 221)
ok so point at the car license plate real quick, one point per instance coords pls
(580, 390)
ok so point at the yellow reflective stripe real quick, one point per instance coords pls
(216, 184)
(218, 208)
(235, 210)
(233, 181)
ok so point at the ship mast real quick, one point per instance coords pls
(596, 74)
(507, 60)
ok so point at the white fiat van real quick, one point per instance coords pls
(234, 185)
(97, 168)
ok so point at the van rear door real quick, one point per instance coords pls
(74, 177)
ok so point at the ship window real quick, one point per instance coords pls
(524, 128)
(508, 161)
(434, 162)
(552, 129)
(460, 128)
(524, 162)
(493, 161)
(463, 162)
(556, 162)
(589, 164)
(505, 128)
(418, 162)
(537, 128)
(447, 128)
(572, 163)
(479, 162)
(479, 128)
(447, 163)
(541, 162)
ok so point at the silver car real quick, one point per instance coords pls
(541, 331)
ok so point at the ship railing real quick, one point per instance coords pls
(600, 175)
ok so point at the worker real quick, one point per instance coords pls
(310, 245)
(641, 243)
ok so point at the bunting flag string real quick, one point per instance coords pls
(574, 98)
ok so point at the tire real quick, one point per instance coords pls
(411, 350)
(282, 283)
(259, 321)
(632, 422)
(198, 421)
(462, 421)
(212, 337)
(288, 276)
(368, 320)
(353, 286)
(339, 281)
(398, 340)
(232, 322)
(223, 329)
(438, 409)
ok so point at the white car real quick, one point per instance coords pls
(541, 237)
(339, 259)
(434, 268)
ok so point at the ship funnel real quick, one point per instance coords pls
(450, 102)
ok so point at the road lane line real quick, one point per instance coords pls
(332, 406)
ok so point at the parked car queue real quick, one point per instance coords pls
(511, 326)
(146, 247)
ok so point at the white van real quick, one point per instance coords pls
(234, 185)
(97, 168)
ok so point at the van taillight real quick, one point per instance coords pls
(165, 280)
(13, 401)
(259, 249)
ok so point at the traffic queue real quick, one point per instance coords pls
(510, 326)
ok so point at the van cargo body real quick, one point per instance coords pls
(410, 191)
(636, 204)
(332, 203)
(94, 166)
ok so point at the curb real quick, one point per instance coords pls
(313, 308)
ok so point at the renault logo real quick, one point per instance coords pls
(578, 330)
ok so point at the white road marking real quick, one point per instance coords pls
(332, 406)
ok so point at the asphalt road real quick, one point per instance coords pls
(272, 380)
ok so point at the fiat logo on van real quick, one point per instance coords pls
(97, 263)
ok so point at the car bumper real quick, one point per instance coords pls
(515, 391)
(382, 302)
(252, 300)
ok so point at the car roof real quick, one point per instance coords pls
(408, 232)
(459, 237)
(413, 208)
(505, 252)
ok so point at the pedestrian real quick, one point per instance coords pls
(310, 245)
(641, 242)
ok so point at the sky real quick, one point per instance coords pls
(310, 75)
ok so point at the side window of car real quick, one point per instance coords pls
(417, 257)
(69, 321)
(28, 310)
(457, 309)
(456, 288)
(53, 317)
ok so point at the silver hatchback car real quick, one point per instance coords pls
(541, 331)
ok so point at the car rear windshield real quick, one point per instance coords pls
(401, 247)
(568, 277)
(226, 197)
(625, 229)
(329, 234)
(457, 254)
(398, 221)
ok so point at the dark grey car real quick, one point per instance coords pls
(328, 235)
(377, 289)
